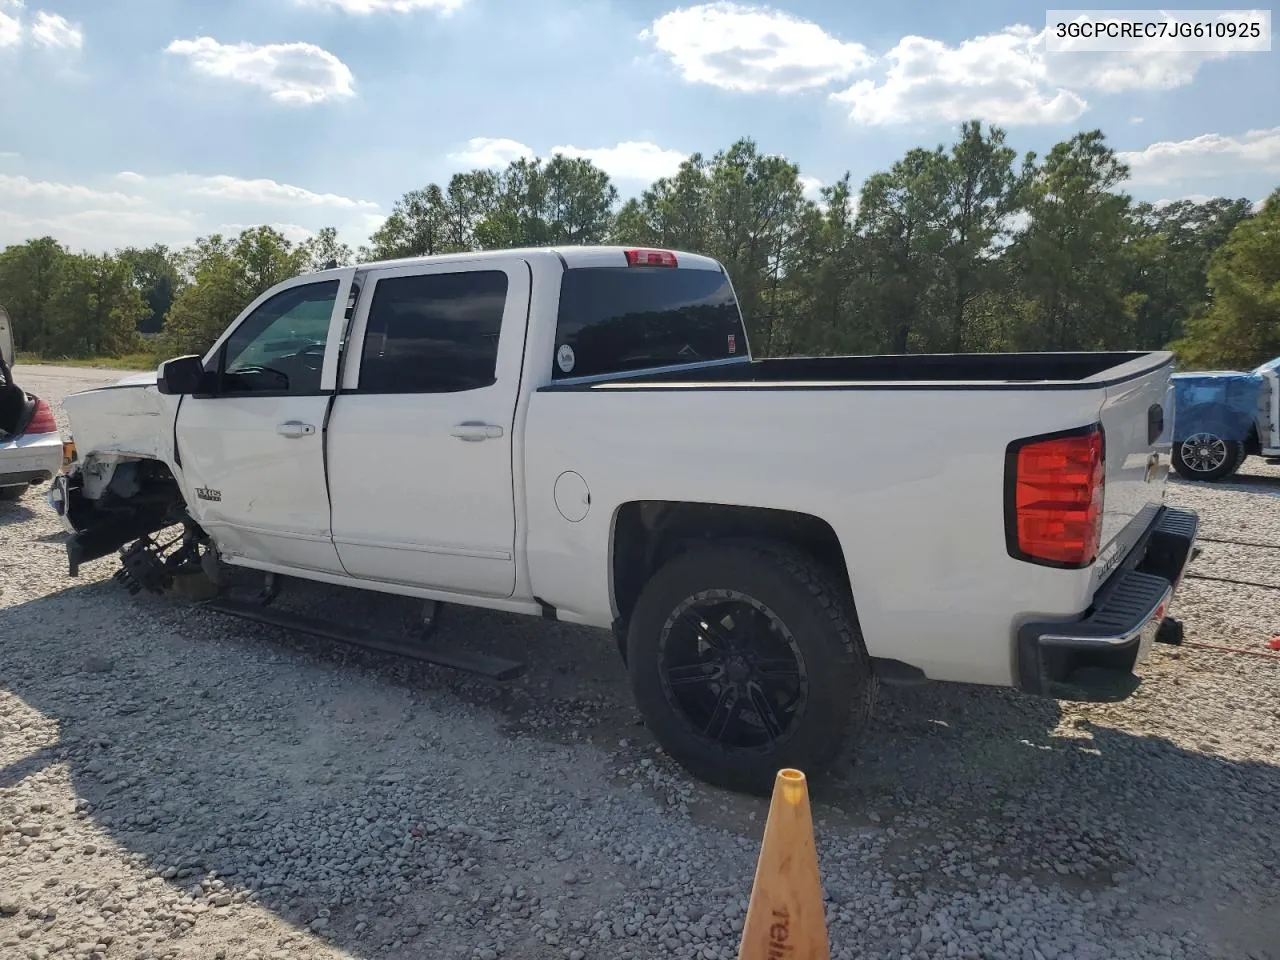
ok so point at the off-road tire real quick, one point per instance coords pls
(818, 612)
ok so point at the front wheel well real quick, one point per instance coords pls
(649, 533)
(113, 502)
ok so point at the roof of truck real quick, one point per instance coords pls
(570, 256)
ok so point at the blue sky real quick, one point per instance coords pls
(142, 121)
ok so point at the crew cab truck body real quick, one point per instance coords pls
(582, 434)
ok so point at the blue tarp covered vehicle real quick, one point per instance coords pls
(1221, 417)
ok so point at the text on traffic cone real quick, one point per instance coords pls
(785, 919)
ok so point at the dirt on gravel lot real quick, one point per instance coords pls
(175, 783)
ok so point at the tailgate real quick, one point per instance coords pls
(1137, 420)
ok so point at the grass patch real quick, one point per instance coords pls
(129, 361)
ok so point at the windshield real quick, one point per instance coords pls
(613, 319)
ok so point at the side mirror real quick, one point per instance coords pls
(181, 375)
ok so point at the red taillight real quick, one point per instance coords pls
(42, 420)
(650, 258)
(1055, 498)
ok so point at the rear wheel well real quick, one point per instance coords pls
(649, 533)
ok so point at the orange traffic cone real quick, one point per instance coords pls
(785, 920)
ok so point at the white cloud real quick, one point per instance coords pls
(10, 29)
(267, 191)
(289, 72)
(1008, 76)
(811, 187)
(753, 49)
(23, 188)
(1001, 77)
(172, 209)
(1149, 63)
(1196, 198)
(1135, 119)
(261, 191)
(364, 7)
(371, 223)
(292, 232)
(98, 230)
(1118, 71)
(629, 160)
(1208, 155)
(56, 32)
(492, 152)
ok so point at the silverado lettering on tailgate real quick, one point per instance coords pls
(1107, 565)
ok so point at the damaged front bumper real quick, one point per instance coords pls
(124, 510)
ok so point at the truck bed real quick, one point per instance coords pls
(904, 457)
(896, 371)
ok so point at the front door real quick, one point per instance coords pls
(252, 454)
(420, 444)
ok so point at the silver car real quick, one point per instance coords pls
(30, 444)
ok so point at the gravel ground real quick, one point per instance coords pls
(174, 783)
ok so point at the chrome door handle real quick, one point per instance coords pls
(472, 431)
(294, 429)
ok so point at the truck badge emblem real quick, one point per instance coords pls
(204, 493)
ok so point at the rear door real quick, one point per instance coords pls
(420, 440)
(1137, 420)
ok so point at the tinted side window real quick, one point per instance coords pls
(626, 318)
(434, 333)
(280, 347)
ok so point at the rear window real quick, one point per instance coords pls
(629, 318)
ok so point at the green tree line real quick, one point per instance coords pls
(960, 248)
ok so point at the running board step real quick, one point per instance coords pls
(468, 661)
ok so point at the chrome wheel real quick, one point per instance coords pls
(1204, 452)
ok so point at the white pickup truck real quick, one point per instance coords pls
(582, 434)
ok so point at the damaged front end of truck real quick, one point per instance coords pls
(122, 496)
(112, 503)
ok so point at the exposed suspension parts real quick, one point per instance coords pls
(151, 565)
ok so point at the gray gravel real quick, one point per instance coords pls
(177, 784)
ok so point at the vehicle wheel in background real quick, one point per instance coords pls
(1207, 455)
(748, 659)
(12, 493)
